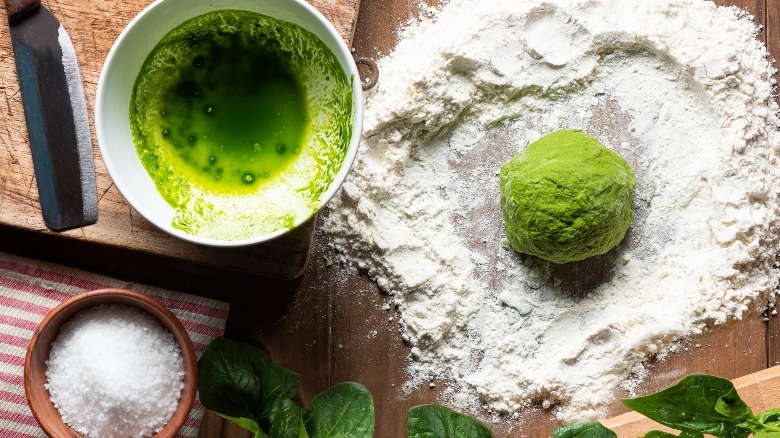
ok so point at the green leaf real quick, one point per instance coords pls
(765, 425)
(227, 381)
(660, 434)
(433, 421)
(769, 416)
(730, 405)
(762, 430)
(343, 411)
(699, 403)
(766, 434)
(275, 382)
(287, 420)
(238, 380)
(246, 424)
(587, 429)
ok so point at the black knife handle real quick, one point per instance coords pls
(16, 9)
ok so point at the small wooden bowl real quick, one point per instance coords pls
(38, 352)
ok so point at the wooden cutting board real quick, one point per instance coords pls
(94, 25)
(761, 391)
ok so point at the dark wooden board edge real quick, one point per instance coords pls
(262, 260)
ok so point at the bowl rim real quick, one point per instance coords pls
(135, 299)
(338, 180)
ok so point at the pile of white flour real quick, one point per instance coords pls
(680, 88)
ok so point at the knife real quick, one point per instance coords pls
(56, 115)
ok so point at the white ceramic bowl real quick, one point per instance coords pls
(115, 87)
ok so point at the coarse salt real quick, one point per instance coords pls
(115, 371)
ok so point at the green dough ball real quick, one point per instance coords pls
(566, 198)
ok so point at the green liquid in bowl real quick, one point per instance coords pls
(242, 121)
(236, 116)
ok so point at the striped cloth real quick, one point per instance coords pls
(29, 289)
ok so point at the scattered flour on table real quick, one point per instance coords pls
(681, 88)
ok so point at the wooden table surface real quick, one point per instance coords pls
(93, 26)
(321, 324)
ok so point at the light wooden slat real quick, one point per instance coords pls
(759, 390)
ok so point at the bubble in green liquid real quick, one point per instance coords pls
(262, 110)
(221, 107)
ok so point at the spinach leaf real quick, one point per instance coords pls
(227, 383)
(761, 430)
(433, 421)
(769, 416)
(287, 420)
(660, 434)
(587, 429)
(275, 382)
(344, 410)
(765, 425)
(699, 403)
(730, 405)
(240, 382)
(247, 424)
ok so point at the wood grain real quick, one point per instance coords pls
(329, 325)
(18, 8)
(760, 390)
(93, 26)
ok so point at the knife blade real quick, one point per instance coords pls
(56, 114)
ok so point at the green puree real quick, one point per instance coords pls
(235, 116)
(242, 121)
(566, 197)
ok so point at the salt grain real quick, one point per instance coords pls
(115, 371)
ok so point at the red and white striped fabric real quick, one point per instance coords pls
(30, 289)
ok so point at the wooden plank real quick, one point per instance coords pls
(342, 13)
(93, 26)
(772, 33)
(773, 26)
(757, 8)
(773, 339)
(772, 39)
(735, 350)
(325, 329)
(379, 22)
(293, 322)
(759, 390)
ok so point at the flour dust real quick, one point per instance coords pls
(690, 108)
